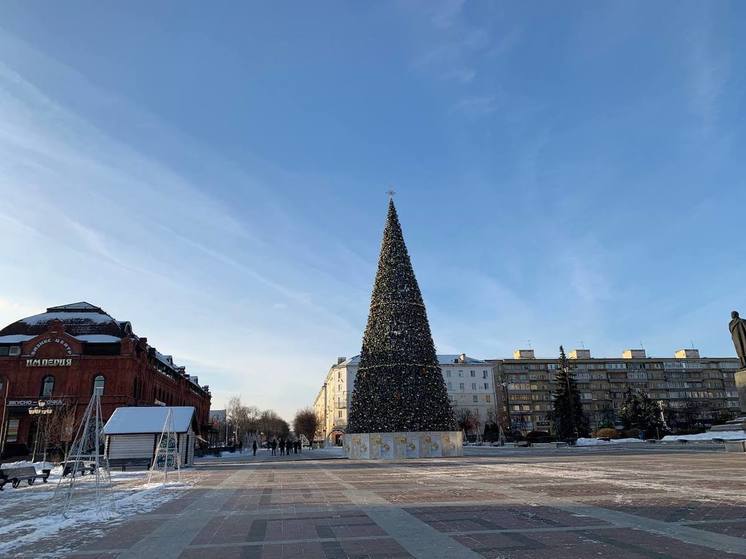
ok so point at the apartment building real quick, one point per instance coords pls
(690, 388)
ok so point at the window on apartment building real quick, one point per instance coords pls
(461, 373)
(473, 385)
(461, 385)
(484, 374)
(475, 398)
(448, 374)
(450, 385)
(473, 373)
(339, 413)
(487, 398)
(486, 385)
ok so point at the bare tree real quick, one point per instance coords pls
(272, 425)
(243, 420)
(465, 419)
(305, 423)
(58, 429)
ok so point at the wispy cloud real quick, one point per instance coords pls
(446, 12)
(710, 72)
(189, 270)
(476, 106)
(451, 44)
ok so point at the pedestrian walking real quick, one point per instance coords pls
(282, 447)
(296, 446)
(253, 447)
(274, 447)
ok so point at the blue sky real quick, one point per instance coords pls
(217, 174)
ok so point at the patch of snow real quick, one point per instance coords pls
(43, 318)
(131, 420)
(24, 529)
(15, 338)
(600, 442)
(709, 436)
(98, 338)
(24, 463)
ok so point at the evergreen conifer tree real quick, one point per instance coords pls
(639, 411)
(399, 385)
(570, 422)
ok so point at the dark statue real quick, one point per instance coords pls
(737, 328)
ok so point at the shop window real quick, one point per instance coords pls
(47, 386)
(98, 385)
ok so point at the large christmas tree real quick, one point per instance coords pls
(399, 386)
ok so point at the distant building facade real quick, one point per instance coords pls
(470, 384)
(61, 357)
(691, 389)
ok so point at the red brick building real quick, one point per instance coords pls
(60, 357)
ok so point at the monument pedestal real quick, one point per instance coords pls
(741, 387)
(400, 446)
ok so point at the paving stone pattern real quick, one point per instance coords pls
(654, 504)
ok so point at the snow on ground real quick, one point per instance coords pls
(709, 436)
(601, 442)
(33, 513)
(23, 463)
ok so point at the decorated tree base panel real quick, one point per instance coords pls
(400, 446)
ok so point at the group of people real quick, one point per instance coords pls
(286, 447)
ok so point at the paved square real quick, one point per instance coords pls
(601, 503)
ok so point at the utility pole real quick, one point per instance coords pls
(325, 416)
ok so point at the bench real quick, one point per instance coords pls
(15, 476)
(134, 463)
(82, 468)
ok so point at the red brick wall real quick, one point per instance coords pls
(74, 383)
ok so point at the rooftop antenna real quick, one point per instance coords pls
(641, 346)
(529, 344)
(692, 342)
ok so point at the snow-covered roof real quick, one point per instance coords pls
(443, 359)
(447, 359)
(98, 338)
(133, 420)
(79, 306)
(165, 359)
(66, 316)
(15, 338)
(77, 318)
